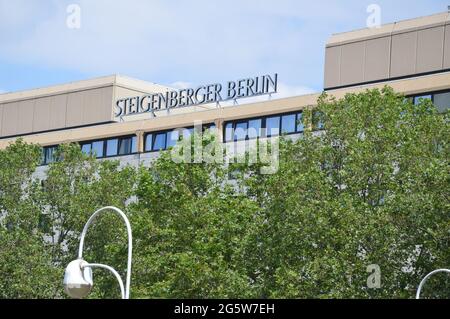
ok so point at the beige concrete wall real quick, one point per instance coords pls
(410, 86)
(57, 111)
(69, 105)
(396, 50)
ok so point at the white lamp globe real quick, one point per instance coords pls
(78, 280)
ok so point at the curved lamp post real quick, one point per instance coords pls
(78, 279)
(419, 290)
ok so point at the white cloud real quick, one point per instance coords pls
(195, 41)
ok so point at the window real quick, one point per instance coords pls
(300, 125)
(240, 132)
(125, 146)
(148, 142)
(210, 127)
(442, 101)
(229, 132)
(86, 148)
(273, 126)
(254, 128)
(111, 147)
(94, 148)
(318, 123)
(424, 97)
(172, 138)
(159, 143)
(188, 132)
(98, 149)
(49, 155)
(288, 124)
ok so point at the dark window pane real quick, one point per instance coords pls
(86, 148)
(229, 132)
(442, 101)
(317, 120)
(240, 132)
(148, 142)
(300, 125)
(254, 128)
(160, 142)
(111, 147)
(125, 146)
(172, 138)
(288, 124)
(43, 156)
(97, 149)
(134, 145)
(50, 155)
(209, 127)
(273, 126)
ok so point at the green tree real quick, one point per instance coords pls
(370, 189)
(74, 188)
(190, 226)
(25, 262)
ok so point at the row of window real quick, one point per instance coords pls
(110, 147)
(159, 141)
(264, 127)
(126, 145)
(99, 148)
(440, 100)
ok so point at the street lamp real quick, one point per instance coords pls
(428, 277)
(78, 280)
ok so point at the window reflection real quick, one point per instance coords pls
(288, 124)
(97, 149)
(148, 142)
(254, 128)
(172, 138)
(229, 132)
(159, 143)
(240, 132)
(111, 147)
(273, 126)
(442, 101)
(125, 146)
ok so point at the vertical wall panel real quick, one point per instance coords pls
(1, 118)
(332, 66)
(352, 63)
(447, 47)
(91, 106)
(26, 114)
(58, 111)
(41, 119)
(430, 48)
(74, 113)
(377, 60)
(10, 119)
(403, 59)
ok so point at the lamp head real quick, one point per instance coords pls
(78, 279)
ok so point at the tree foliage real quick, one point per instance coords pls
(372, 188)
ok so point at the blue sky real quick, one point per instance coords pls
(181, 42)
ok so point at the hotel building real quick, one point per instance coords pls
(412, 56)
